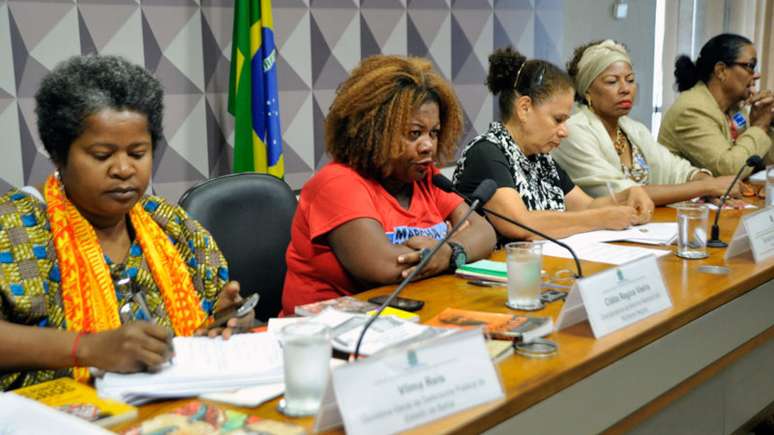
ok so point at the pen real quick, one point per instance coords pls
(483, 283)
(139, 299)
(611, 192)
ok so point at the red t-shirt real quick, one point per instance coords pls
(336, 195)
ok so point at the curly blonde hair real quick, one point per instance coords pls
(372, 109)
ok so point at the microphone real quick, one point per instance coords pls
(754, 161)
(482, 194)
(444, 184)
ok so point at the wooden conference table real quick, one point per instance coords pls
(707, 363)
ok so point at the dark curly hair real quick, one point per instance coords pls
(723, 48)
(84, 85)
(371, 112)
(538, 79)
(572, 65)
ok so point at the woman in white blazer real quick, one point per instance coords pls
(605, 147)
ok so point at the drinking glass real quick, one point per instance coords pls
(524, 260)
(306, 352)
(769, 185)
(692, 231)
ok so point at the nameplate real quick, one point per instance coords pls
(755, 232)
(410, 386)
(617, 297)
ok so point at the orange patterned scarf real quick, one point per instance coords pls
(88, 292)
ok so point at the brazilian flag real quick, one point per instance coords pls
(253, 97)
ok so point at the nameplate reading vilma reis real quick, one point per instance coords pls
(756, 232)
(411, 386)
(617, 297)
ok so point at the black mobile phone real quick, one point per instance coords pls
(552, 295)
(400, 303)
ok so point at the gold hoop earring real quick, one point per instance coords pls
(588, 101)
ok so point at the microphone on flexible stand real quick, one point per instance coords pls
(753, 161)
(481, 195)
(446, 185)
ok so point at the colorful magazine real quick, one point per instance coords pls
(202, 418)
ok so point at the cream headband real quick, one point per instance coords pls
(596, 59)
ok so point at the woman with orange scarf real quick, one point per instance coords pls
(86, 258)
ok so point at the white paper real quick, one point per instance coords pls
(248, 397)
(276, 324)
(22, 416)
(202, 365)
(253, 396)
(383, 333)
(602, 252)
(654, 233)
(599, 236)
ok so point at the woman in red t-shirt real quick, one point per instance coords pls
(364, 218)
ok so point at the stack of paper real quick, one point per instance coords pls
(602, 252)
(654, 233)
(202, 365)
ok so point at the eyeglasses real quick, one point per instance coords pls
(749, 66)
(562, 279)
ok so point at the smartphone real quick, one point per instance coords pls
(552, 295)
(400, 303)
(221, 317)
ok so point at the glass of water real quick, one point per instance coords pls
(692, 231)
(769, 185)
(306, 352)
(524, 260)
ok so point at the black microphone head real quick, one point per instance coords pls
(443, 183)
(755, 161)
(484, 191)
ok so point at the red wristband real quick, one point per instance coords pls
(74, 350)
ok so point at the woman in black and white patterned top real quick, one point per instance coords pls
(535, 99)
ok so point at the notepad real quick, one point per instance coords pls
(202, 365)
(484, 269)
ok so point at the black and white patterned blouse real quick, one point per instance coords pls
(540, 181)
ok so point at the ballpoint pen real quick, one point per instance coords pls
(485, 283)
(139, 299)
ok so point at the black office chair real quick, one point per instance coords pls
(249, 216)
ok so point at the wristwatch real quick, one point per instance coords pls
(458, 256)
